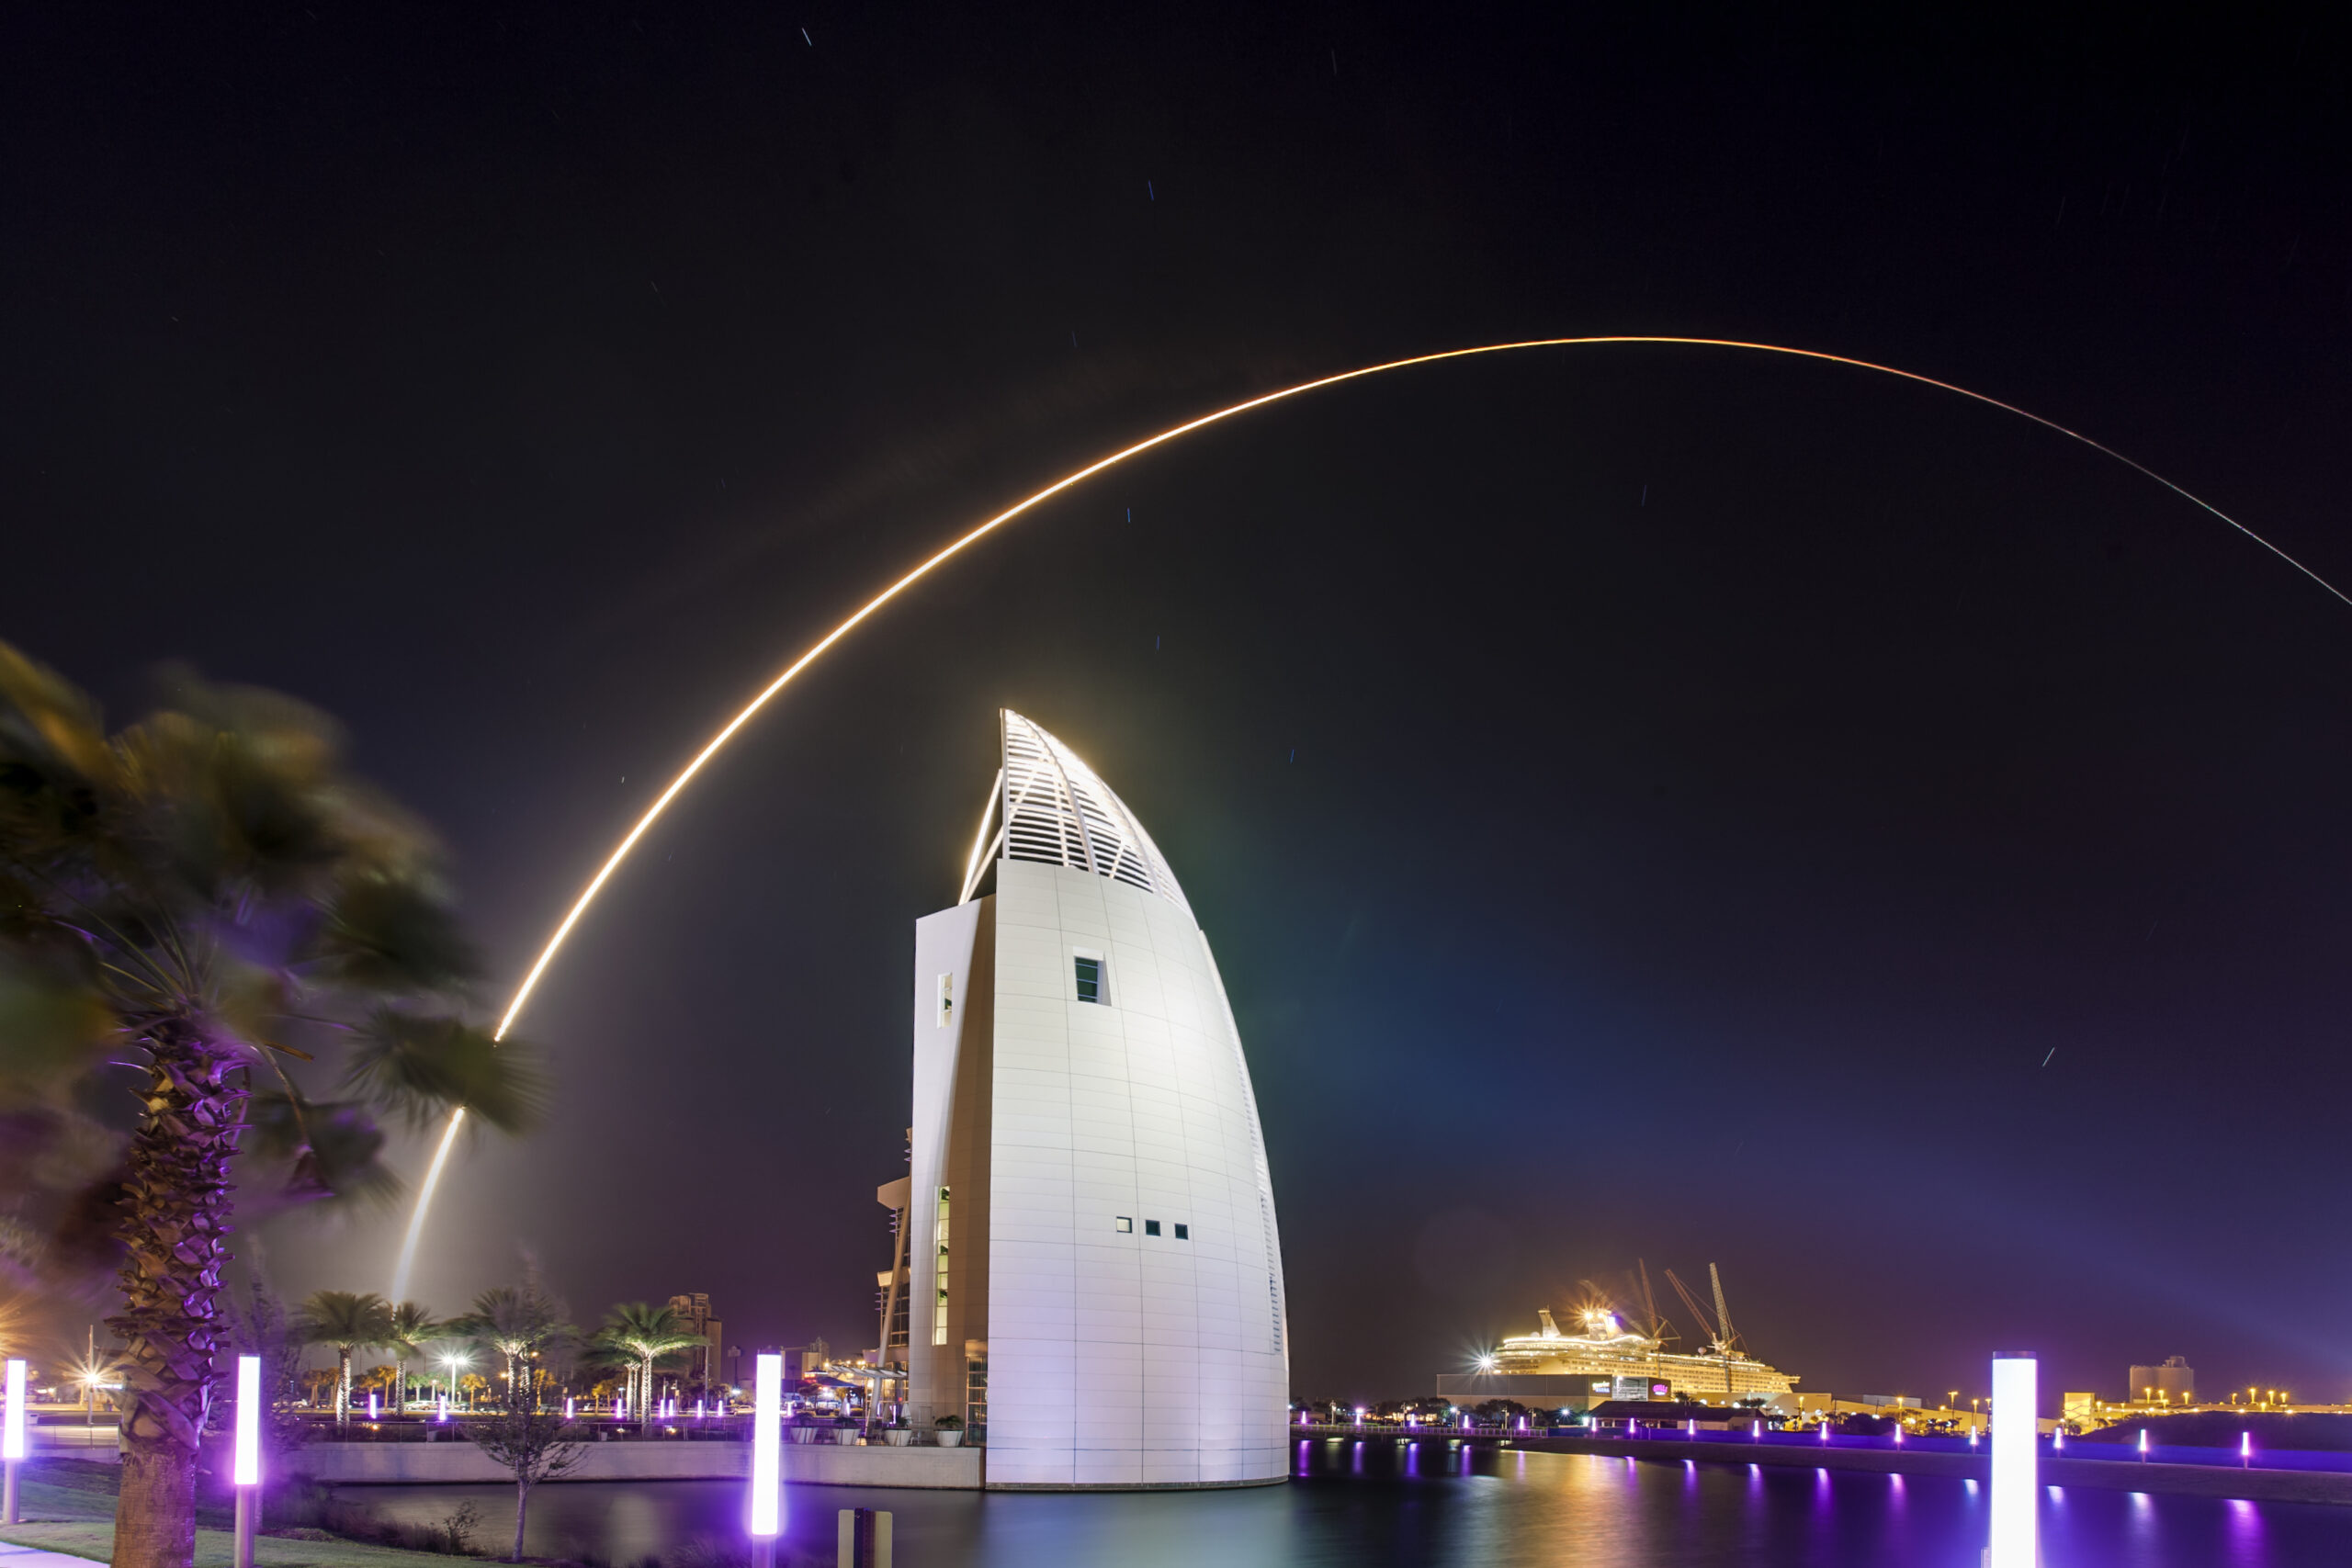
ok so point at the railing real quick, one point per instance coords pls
(423, 1429)
(1811, 1439)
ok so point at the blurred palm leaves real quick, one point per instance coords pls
(216, 870)
(418, 1068)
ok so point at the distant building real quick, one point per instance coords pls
(2175, 1382)
(705, 1363)
(802, 1362)
(2079, 1409)
(1896, 1401)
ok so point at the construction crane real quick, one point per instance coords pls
(1723, 1313)
(1723, 1347)
(1657, 1328)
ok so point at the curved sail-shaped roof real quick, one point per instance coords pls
(1052, 808)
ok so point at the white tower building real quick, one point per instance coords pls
(1095, 1277)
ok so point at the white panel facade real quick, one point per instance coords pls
(1116, 1357)
(1121, 1357)
(944, 944)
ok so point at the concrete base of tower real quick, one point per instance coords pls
(1131, 1485)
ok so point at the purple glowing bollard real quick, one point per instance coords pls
(2245, 1451)
(767, 1459)
(2143, 1445)
(2015, 1528)
(244, 1470)
(567, 1407)
(12, 1439)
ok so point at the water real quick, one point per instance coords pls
(1430, 1505)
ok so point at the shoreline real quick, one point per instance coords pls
(2255, 1484)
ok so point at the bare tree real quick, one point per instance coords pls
(535, 1445)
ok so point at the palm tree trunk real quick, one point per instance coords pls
(522, 1501)
(645, 1396)
(173, 1230)
(342, 1383)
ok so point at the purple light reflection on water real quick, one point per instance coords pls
(1588, 1511)
(2246, 1531)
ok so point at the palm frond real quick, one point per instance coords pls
(420, 1067)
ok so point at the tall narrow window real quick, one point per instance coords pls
(1090, 979)
(946, 1000)
(939, 1307)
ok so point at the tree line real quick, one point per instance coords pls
(525, 1333)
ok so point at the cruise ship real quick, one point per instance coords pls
(1608, 1359)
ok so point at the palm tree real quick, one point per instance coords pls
(348, 1322)
(212, 892)
(411, 1329)
(646, 1334)
(517, 1322)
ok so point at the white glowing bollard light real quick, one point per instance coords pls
(12, 1434)
(767, 1457)
(246, 1468)
(12, 1439)
(2016, 1467)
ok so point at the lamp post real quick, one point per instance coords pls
(12, 1439)
(246, 1471)
(767, 1459)
(2016, 1401)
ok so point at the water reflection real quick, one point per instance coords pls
(1389, 1506)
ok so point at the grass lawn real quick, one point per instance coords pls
(72, 1501)
(94, 1539)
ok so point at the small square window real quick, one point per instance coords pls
(1125, 1226)
(1183, 1232)
(1151, 1227)
(1090, 979)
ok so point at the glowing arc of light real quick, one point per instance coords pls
(751, 709)
(423, 1203)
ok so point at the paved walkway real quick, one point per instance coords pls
(34, 1557)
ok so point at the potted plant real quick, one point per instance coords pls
(951, 1431)
(898, 1435)
(803, 1428)
(845, 1430)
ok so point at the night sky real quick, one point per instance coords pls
(1646, 802)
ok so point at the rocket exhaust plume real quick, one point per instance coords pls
(685, 776)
